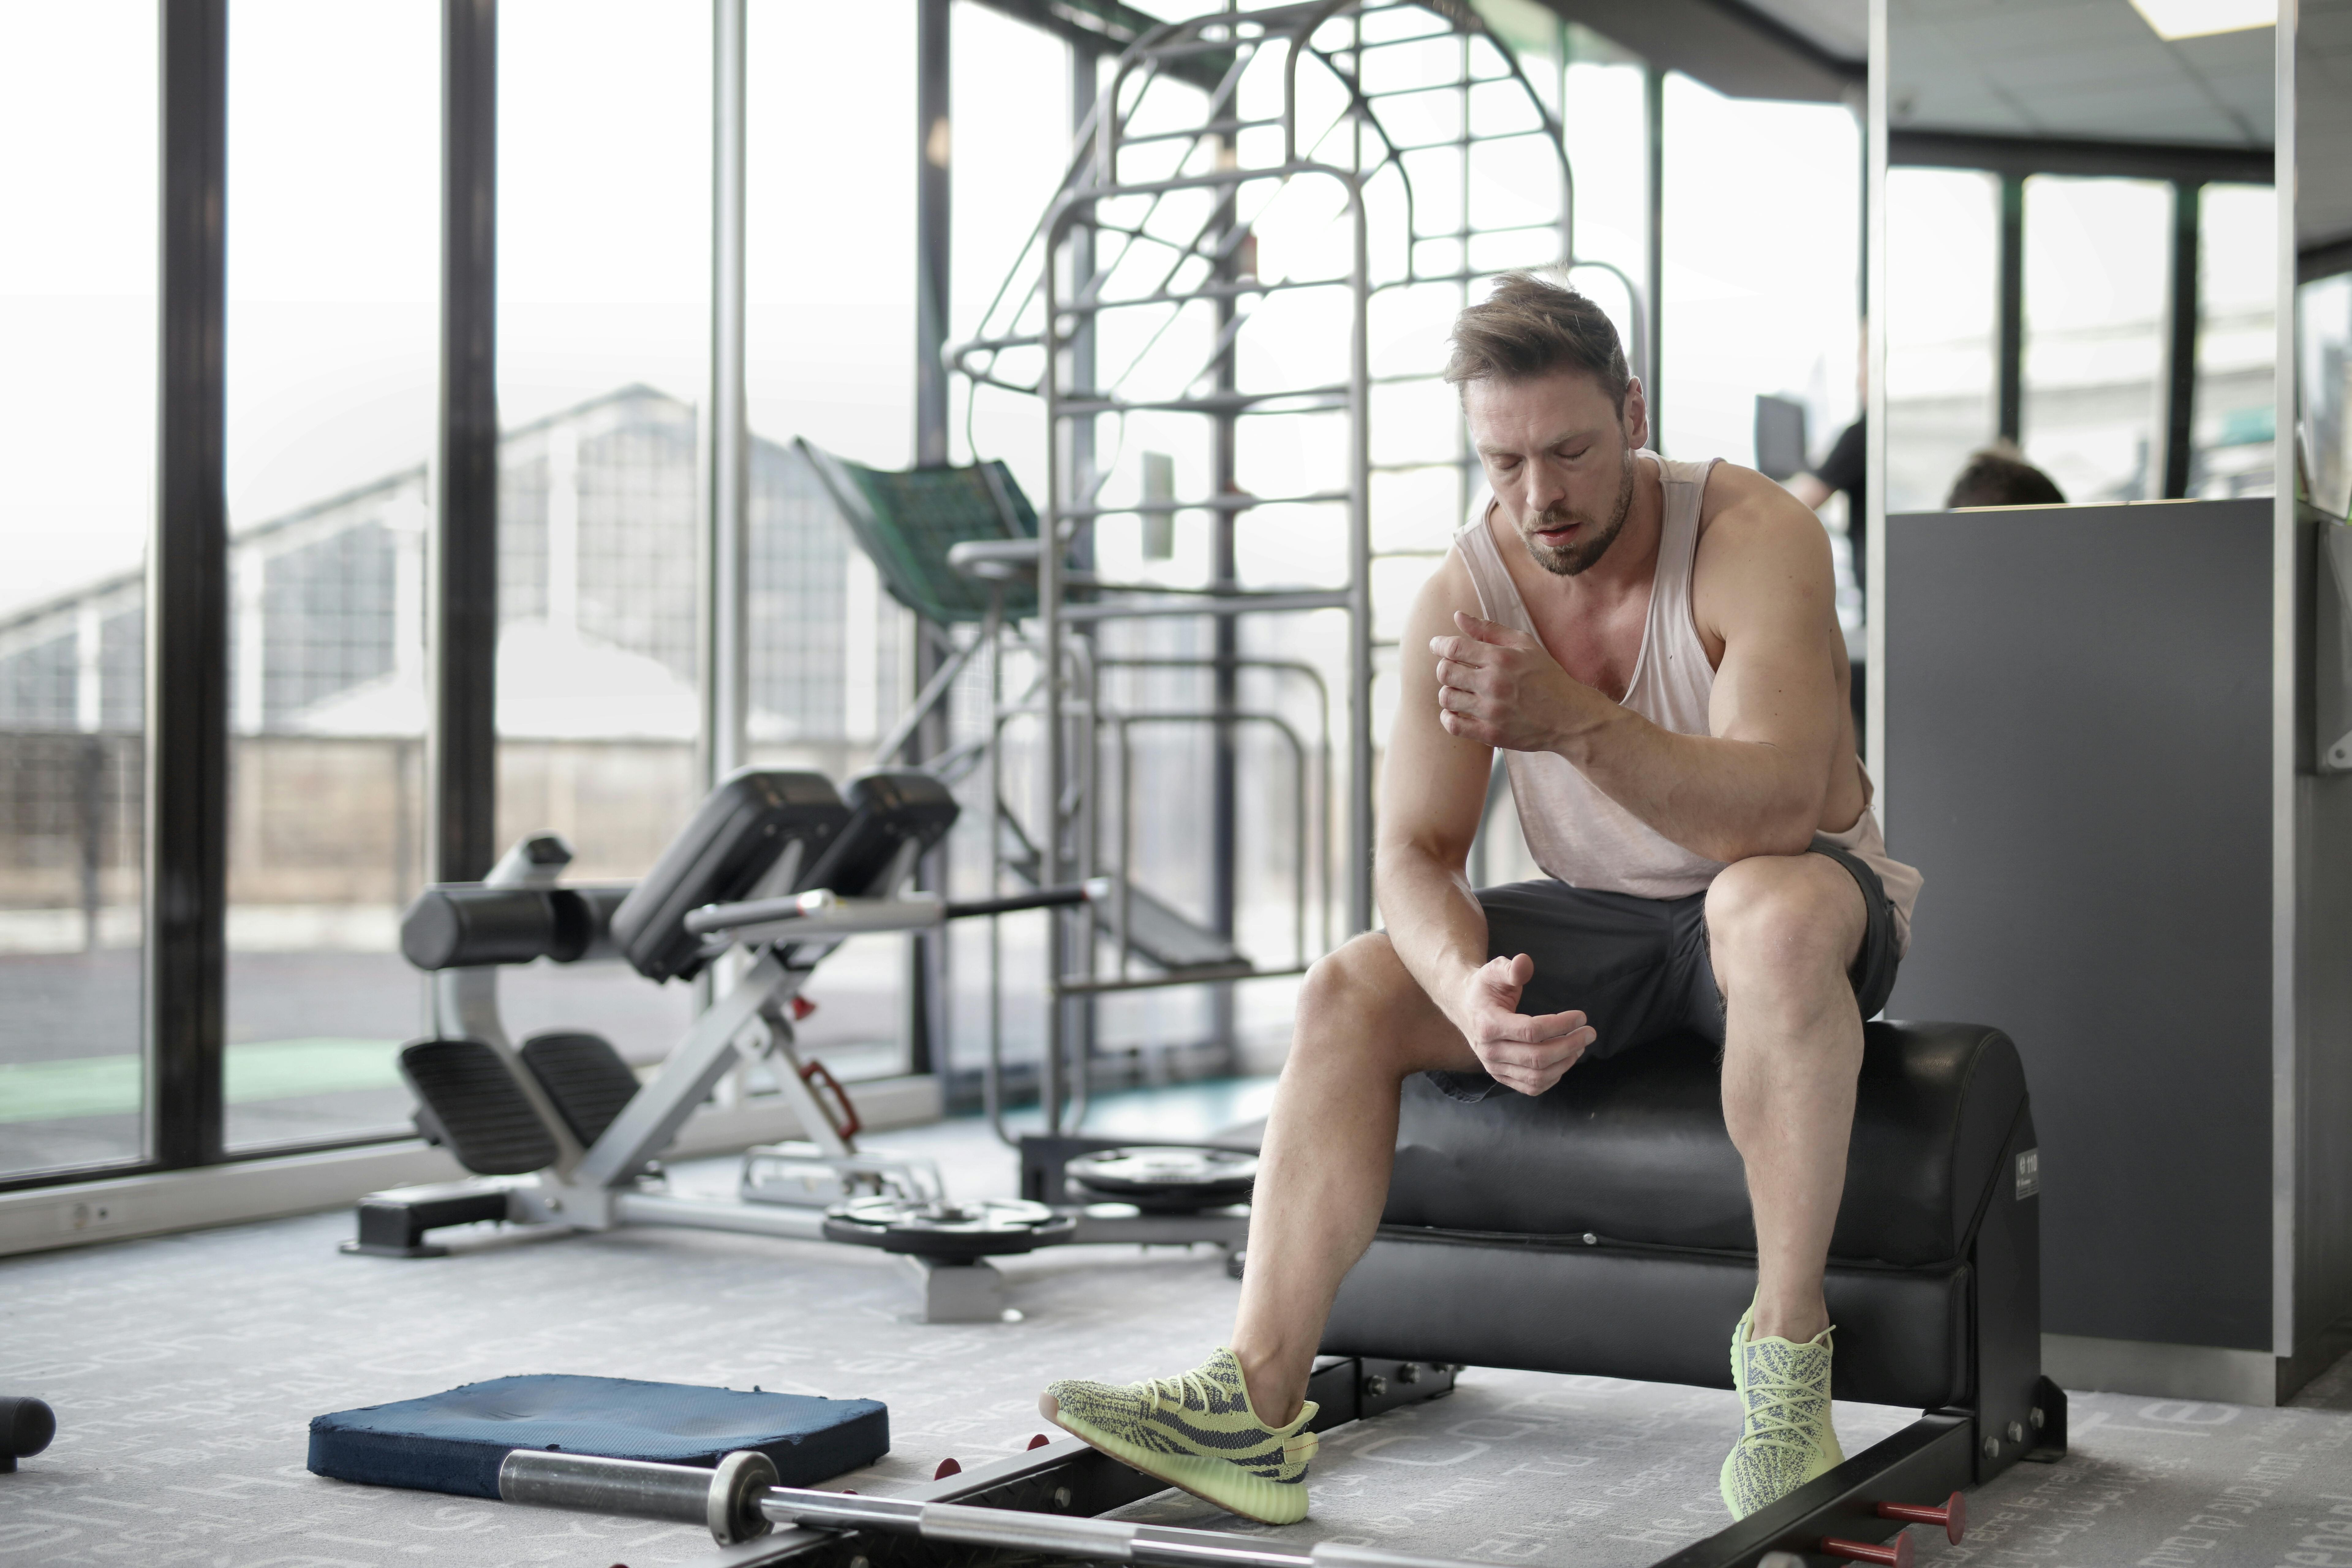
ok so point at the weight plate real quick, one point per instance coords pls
(1172, 1180)
(986, 1228)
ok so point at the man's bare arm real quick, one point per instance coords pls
(1433, 796)
(1755, 785)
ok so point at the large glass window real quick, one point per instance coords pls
(1943, 285)
(830, 346)
(1779, 315)
(2097, 265)
(1601, 119)
(2230, 441)
(603, 334)
(78, 179)
(333, 184)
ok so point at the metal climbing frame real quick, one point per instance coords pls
(1263, 209)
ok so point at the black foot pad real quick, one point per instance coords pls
(585, 1078)
(487, 1121)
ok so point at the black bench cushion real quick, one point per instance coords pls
(1633, 1150)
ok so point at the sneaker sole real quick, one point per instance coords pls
(1252, 1497)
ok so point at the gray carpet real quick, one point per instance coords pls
(185, 1369)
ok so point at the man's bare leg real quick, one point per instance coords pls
(1364, 1024)
(1783, 932)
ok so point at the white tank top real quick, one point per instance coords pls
(1574, 830)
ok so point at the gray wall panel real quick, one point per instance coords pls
(2078, 744)
(2323, 1271)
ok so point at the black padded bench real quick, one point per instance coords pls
(1603, 1228)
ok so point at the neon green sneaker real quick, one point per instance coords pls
(1786, 1438)
(1196, 1430)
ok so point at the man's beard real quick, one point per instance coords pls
(1575, 558)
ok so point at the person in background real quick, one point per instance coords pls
(2000, 476)
(1843, 469)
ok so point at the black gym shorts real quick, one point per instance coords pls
(1637, 968)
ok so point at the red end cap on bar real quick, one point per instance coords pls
(1895, 1554)
(1953, 1516)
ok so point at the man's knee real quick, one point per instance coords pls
(1783, 917)
(1352, 999)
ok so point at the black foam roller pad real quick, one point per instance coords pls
(457, 925)
(26, 1426)
(454, 1442)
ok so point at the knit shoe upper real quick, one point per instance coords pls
(1196, 1430)
(1785, 1438)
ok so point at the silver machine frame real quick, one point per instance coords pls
(603, 1186)
(1112, 245)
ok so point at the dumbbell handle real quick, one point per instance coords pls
(688, 1495)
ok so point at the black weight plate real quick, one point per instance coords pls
(1172, 1180)
(987, 1228)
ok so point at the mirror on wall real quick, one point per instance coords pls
(2082, 270)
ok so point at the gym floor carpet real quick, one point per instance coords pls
(183, 1370)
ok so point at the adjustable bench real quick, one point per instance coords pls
(1603, 1228)
(558, 1131)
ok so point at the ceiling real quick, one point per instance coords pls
(2081, 68)
(1836, 27)
(2071, 70)
(2322, 97)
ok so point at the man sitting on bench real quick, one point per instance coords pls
(1655, 649)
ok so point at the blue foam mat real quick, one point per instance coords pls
(454, 1442)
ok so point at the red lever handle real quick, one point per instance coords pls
(1953, 1516)
(1895, 1554)
(817, 1076)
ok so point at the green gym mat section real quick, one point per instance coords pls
(260, 1070)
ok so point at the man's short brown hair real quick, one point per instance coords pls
(1533, 326)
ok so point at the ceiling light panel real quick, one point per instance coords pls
(2199, 18)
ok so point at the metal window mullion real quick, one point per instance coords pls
(934, 155)
(727, 439)
(187, 891)
(1654, 260)
(2009, 321)
(462, 620)
(2180, 359)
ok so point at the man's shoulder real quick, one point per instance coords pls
(1752, 534)
(1753, 511)
(1447, 589)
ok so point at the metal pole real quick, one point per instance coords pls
(2180, 359)
(1360, 582)
(187, 598)
(462, 620)
(931, 231)
(727, 476)
(928, 957)
(1224, 783)
(2011, 322)
(731, 1501)
(1084, 62)
(1049, 655)
(1654, 261)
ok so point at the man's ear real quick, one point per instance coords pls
(1636, 417)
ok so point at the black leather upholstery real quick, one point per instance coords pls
(1633, 1150)
(1653, 1316)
